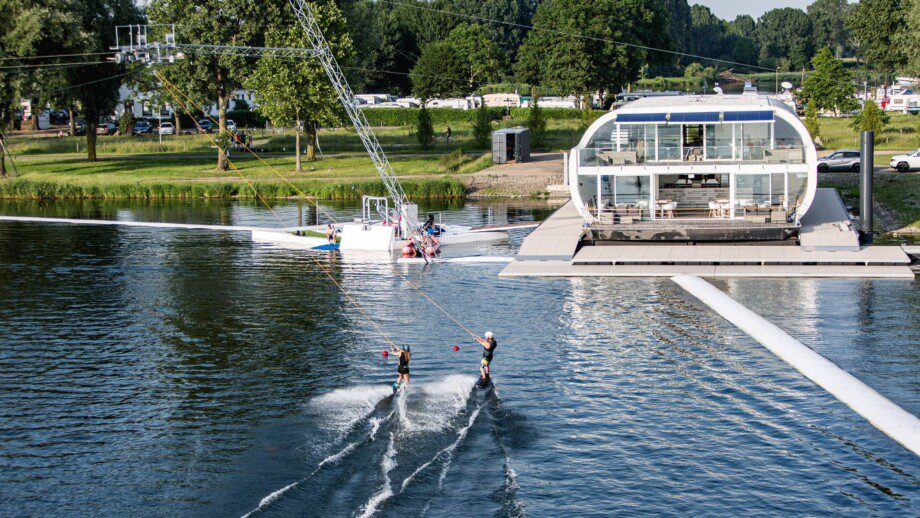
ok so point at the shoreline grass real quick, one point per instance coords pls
(416, 189)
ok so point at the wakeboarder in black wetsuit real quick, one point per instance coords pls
(403, 368)
(488, 350)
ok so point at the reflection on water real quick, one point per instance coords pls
(149, 372)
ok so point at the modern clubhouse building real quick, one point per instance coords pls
(713, 185)
(712, 168)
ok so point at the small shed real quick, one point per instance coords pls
(510, 145)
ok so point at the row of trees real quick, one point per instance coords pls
(427, 47)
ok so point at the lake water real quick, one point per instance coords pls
(179, 372)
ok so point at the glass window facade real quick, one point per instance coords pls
(720, 144)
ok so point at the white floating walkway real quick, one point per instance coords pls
(882, 413)
(146, 224)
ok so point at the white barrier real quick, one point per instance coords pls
(115, 222)
(897, 423)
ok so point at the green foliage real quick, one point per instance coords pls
(828, 25)
(551, 58)
(829, 87)
(126, 123)
(212, 78)
(455, 66)
(874, 26)
(291, 91)
(243, 119)
(811, 121)
(424, 129)
(871, 118)
(784, 36)
(909, 37)
(697, 72)
(537, 125)
(482, 128)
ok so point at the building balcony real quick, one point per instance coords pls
(689, 156)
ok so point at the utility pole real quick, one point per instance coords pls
(776, 88)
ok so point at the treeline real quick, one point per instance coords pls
(429, 48)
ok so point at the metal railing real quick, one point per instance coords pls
(609, 156)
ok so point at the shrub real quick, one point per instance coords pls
(482, 128)
(871, 118)
(126, 123)
(537, 125)
(424, 129)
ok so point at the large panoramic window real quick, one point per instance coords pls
(755, 137)
(797, 184)
(632, 189)
(777, 188)
(639, 138)
(785, 136)
(669, 138)
(752, 189)
(603, 137)
(719, 144)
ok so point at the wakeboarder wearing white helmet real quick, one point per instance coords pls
(488, 349)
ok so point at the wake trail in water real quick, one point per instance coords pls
(386, 465)
(448, 451)
(344, 421)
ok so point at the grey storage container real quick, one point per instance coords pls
(510, 145)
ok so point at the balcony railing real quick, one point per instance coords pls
(605, 157)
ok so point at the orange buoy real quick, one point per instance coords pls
(456, 347)
(386, 353)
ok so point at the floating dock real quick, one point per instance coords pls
(827, 246)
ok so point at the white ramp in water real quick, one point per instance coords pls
(113, 222)
(897, 423)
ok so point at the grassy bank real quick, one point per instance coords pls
(341, 177)
(899, 194)
(900, 134)
(421, 189)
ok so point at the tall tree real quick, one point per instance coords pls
(506, 23)
(909, 38)
(830, 86)
(556, 58)
(455, 66)
(875, 25)
(784, 36)
(297, 92)
(828, 25)
(213, 77)
(706, 32)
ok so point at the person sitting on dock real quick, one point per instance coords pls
(330, 234)
(405, 354)
(488, 349)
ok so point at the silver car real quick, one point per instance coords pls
(840, 160)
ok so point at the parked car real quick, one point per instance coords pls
(79, 128)
(106, 128)
(207, 126)
(231, 126)
(840, 160)
(904, 163)
(141, 127)
(167, 128)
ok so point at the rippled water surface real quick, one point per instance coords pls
(178, 372)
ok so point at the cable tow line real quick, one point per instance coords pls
(256, 155)
(173, 90)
